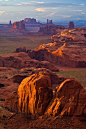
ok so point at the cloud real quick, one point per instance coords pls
(78, 18)
(83, 13)
(43, 4)
(63, 16)
(49, 15)
(40, 10)
(76, 10)
(1, 12)
(66, 16)
(82, 4)
(9, 0)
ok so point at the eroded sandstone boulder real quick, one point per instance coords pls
(35, 93)
(55, 79)
(70, 99)
(35, 97)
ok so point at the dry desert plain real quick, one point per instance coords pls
(54, 76)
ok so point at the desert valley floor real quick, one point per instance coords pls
(43, 78)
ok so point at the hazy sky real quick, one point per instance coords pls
(57, 10)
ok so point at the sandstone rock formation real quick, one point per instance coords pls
(61, 54)
(22, 60)
(18, 78)
(70, 99)
(35, 97)
(23, 49)
(70, 35)
(19, 27)
(10, 85)
(51, 29)
(55, 79)
(35, 93)
(11, 102)
(71, 24)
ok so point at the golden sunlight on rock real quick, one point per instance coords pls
(35, 93)
(70, 99)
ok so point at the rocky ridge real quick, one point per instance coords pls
(22, 60)
(70, 35)
(63, 54)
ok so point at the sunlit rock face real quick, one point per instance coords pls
(35, 93)
(70, 99)
(18, 25)
(35, 97)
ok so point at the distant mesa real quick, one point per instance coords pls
(30, 24)
(29, 21)
(51, 29)
(71, 24)
(33, 21)
(19, 27)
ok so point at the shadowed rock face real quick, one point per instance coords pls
(51, 29)
(23, 49)
(35, 93)
(85, 35)
(2, 85)
(71, 24)
(22, 60)
(70, 99)
(11, 101)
